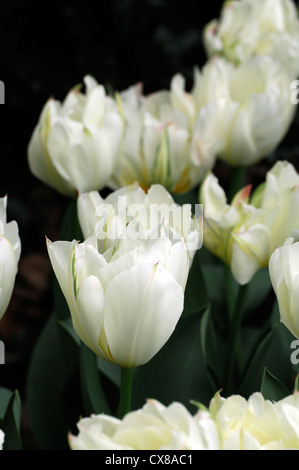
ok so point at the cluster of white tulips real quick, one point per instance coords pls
(227, 424)
(125, 280)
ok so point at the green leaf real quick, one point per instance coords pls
(272, 388)
(214, 276)
(255, 366)
(92, 391)
(11, 424)
(5, 396)
(177, 372)
(296, 384)
(110, 370)
(53, 401)
(195, 292)
(258, 290)
(209, 343)
(67, 326)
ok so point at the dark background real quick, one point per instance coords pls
(46, 49)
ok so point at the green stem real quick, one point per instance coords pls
(234, 338)
(125, 391)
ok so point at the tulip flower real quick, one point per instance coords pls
(153, 427)
(125, 300)
(75, 144)
(248, 28)
(245, 233)
(256, 423)
(168, 139)
(131, 211)
(254, 106)
(10, 250)
(284, 275)
(232, 423)
(2, 436)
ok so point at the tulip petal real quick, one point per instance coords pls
(87, 204)
(249, 252)
(142, 316)
(8, 271)
(90, 298)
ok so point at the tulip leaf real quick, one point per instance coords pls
(110, 370)
(214, 276)
(92, 390)
(5, 396)
(11, 423)
(255, 365)
(177, 372)
(195, 292)
(296, 384)
(259, 289)
(272, 388)
(66, 324)
(52, 399)
(208, 342)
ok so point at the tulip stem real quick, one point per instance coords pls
(234, 336)
(125, 391)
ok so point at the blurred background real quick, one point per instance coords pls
(46, 49)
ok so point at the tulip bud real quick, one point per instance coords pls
(75, 145)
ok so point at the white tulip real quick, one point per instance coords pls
(75, 145)
(256, 423)
(10, 250)
(125, 298)
(153, 427)
(245, 233)
(2, 437)
(284, 275)
(168, 139)
(248, 28)
(131, 212)
(254, 106)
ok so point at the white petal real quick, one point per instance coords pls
(8, 271)
(142, 307)
(249, 252)
(90, 298)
